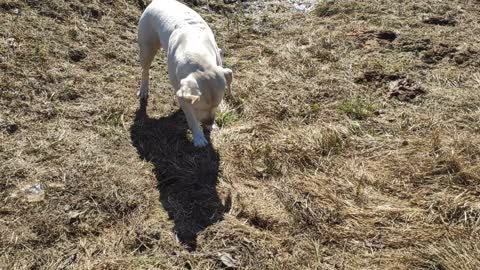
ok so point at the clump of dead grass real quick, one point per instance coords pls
(289, 182)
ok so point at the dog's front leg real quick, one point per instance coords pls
(199, 139)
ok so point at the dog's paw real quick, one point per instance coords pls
(212, 127)
(200, 141)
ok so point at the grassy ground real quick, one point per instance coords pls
(351, 141)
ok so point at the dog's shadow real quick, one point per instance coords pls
(187, 176)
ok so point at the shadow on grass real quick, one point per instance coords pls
(187, 176)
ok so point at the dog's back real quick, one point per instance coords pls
(163, 17)
(182, 34)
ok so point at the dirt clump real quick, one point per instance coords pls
(77, 55)
(386, 35)
(375, 76)
(442, 21)
(414, 45)
(437, 53)
(405, 89)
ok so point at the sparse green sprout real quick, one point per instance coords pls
(224, 119)
(315, 107)
(356, 108)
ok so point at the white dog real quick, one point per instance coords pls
(194, 62)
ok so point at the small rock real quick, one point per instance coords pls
(11, 43)
(227, 260)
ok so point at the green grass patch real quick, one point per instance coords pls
(356, 108)
(224, 119)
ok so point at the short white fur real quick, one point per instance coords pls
(193, 60)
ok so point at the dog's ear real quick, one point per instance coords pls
(189, 90)
(228, 73)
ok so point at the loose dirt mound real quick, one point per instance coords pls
(315, 166)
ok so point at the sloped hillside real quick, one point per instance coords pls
(351, 140)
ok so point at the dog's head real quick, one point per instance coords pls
(204, 90)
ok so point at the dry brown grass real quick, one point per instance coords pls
(351, 142)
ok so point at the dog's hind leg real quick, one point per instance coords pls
(149, 45)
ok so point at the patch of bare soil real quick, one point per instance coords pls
(443, 21)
